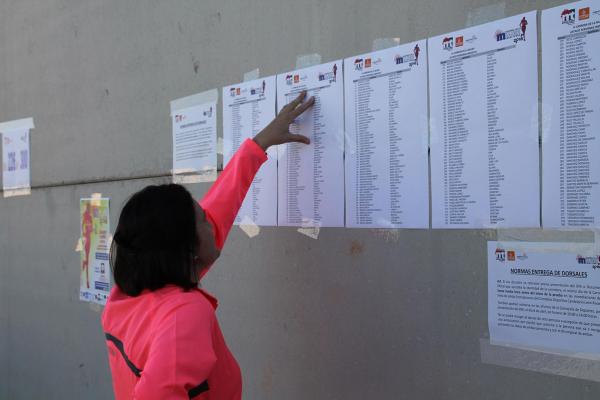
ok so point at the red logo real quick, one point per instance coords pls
(460, 40)
(296, 78)
(510, 255)
(237, 91)
(584, 13)
(367, 62)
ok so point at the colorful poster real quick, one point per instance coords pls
(16, 157)
(95, 248)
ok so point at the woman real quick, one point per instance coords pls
(163, 339)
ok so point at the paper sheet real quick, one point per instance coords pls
(94, 283)
(543, 300)
(484, 130)
(387, 138)
(16, 157)
(195, 142)
(247, 108)
(571, 101)
(311, 177)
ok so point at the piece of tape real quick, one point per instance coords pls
(24, 123)
(307, 60)
(481, 15)
(546, 111)
(79, 245)
(219, 145)
(548, 241)
(25, 191)
(249, 227)
(96, 199)
(310, 228)
(209, 175)
(252, 75)
(581, 366)
(385, 43)
(209, 96)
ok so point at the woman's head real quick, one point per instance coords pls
(163, 237)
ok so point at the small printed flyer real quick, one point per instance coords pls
(542, 299)
(94, 285)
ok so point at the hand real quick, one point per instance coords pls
(278, 131)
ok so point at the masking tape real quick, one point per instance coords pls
(25, 191)
(484, 14)
(310, 228)
(385, 43)
(249, 227)
(579, 366)
(252, 75)
(307, 60)
(17, 124)
(209, 96)
(79, 245)
(219, 145)
(96, 199)
(584, 243)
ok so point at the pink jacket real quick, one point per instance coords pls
(167, 344)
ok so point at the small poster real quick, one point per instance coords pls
(95, 249)
(16, 157)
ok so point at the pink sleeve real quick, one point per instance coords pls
(181, 356)
(225, 197)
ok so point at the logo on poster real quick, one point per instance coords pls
(208, 113)
(510, 255)
(500, 255)
(448, 43)
(568, 16)
(332, 76)
(584, 13)
(179, 117)
(460, 40)
(359, 64)
(517, 34)
(594, 261)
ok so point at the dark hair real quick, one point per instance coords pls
(155, 240)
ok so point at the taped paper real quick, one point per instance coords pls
(252, 75)
(194, 120)
(96, 199)
(16, 157)
(485, 14)
(385, 43)
(307, 60)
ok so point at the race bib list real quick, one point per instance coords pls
(571, 96)
(247, 108)
(310, 177)
(386, 142)
(484, 136)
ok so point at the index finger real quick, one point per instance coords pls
(294, 103)
(305, 106)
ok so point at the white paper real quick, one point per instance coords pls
(247, 108)
(571, 103)
(195, 142)
(311, 177)
(15, 161)
(386, 165)
(484, 125)
(543, 300)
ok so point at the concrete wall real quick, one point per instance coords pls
(356, 314)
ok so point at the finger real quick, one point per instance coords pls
(291, 137)
(294, 103)
(303, 107)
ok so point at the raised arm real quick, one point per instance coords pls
(224, 199)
